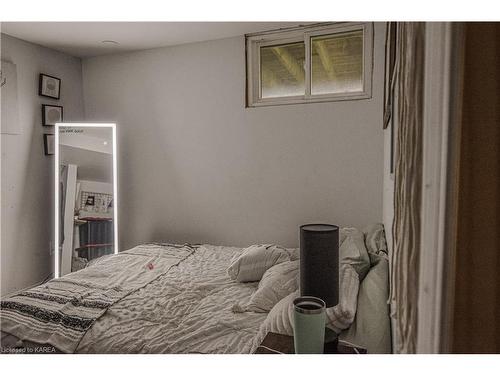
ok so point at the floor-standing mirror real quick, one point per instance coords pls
(86, 201)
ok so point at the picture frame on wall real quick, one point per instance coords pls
(49, 86)
(48, 144)
(51, 114)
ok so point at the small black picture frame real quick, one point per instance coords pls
(51, 114)
(49, 86)
(48, 144)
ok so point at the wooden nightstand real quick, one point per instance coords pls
(275, 343)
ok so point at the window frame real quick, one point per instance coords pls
(304, 34)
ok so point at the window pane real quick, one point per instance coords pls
(337, 63)
(282, 70)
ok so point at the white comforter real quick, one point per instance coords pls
(187, 310)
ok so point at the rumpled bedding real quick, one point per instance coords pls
(187, 310)
(184, 307)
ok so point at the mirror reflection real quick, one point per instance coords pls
(86, 195)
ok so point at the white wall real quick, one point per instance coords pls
(196, 165)
(27, 187)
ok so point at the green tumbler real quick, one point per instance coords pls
(309, 325)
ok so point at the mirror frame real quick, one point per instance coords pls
(58, 125)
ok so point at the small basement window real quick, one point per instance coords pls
(322, 62)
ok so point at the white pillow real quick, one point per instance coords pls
(279, 320)
(342, 315)
(255, 261)
(353, 252)
(278, 282)
(338, 318)
(375, 239)
(354, 265)
(371, 328)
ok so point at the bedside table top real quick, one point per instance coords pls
(275, 343)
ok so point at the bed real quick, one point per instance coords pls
(154, 298)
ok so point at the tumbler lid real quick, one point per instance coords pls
(309, 305)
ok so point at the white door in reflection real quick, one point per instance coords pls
(86, 201)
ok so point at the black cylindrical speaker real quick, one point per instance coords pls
(319, 262)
